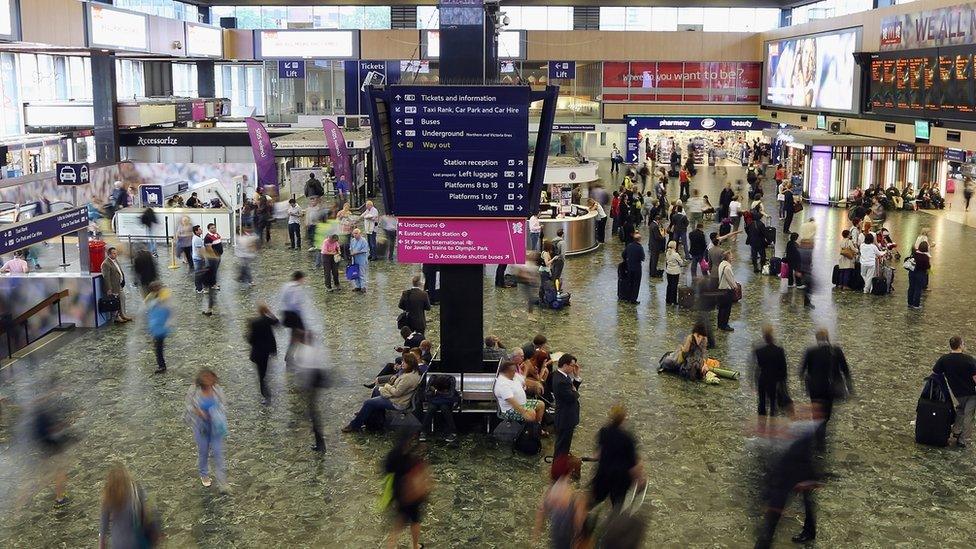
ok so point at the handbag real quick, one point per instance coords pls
(109, 304)
(704, 266)
(848, 253)
(909, 263)
(737, 292)
(352, 272)
(784, 270)
(402, 320)
(797, 207)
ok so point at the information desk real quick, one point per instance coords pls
(579, 228)
(128, 224)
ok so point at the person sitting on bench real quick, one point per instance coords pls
(411, 339)
(512, 401)
(395, 395)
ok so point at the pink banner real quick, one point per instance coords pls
(461, 241)
(199, 110)
(337, 150)
(263, 155)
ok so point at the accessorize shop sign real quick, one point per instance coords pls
(821, 173)
(680, 81)
(948, 26)
(461, 241)
(117, 29)
(307, 44)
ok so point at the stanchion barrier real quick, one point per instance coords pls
(172, 249)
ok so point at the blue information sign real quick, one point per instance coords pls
(291, 68)
(151, 195)
(564, 70)
(461, 151)
(41, 228)
(72, 173)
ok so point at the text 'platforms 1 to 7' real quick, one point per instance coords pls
(461, 151)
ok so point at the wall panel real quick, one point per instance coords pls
(54, 22)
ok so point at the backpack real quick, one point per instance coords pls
(529, 439)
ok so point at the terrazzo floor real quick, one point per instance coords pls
(695, 440)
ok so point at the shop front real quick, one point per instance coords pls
(836, 165)
(708, 140)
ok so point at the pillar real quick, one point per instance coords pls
(206, 86)
(104, 104)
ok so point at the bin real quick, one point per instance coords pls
(96, 254)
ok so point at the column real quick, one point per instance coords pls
(104, 103)
(206, 86)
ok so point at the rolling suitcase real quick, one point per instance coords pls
(856, 282)
(686, 297)
(775, 265)
(835, 277)
(933, 422)
(879, 285)
(622, 280)
(888, 274)
(771, 239)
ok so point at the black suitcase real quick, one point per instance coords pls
(775, 265)
(933, 422)
(835, 276)
(771, 238)
(879, 285)
(686, 297)
(622, 281)
(856, 281)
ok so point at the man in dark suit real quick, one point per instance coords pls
(565, 384)
(827, 378)
(655, 245)
(415, 302)
(788, 208)
(633, 257)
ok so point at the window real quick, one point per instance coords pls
(612, 19)
(828, 8)
(162, 8)
(129, 80)
(664, 19)
(538, 17)
(185, 79)
(627, 19)
(274, 17)
(10, 117)
(427, 17)
(79, 77)
(243, 85)
(691, 16)
(319, 17)
(717, 20)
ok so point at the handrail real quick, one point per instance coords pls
(25, 316)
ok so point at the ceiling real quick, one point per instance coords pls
(668, 3)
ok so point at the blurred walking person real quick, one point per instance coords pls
(206, 414)
(292, 298)
(618, 467)
(409, 484)
(158, 314)
(565, 507)
(827, 377)
(127, 519)
(261, 338)
(770, 378)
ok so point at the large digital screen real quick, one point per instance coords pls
(813, 72)
(204, 41)
(307, 44)
(932, 82)
(117, 29)
(509, 44)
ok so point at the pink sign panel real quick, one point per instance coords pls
(199, 110)
(461, 241)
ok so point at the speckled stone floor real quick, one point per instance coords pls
(885, 491)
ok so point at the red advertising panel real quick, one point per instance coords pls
(676, 81)
(669, 77)
(615, 78)
(643, 81)
(749, 82)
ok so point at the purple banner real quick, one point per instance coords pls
(461, 241)
(820, 175)
(263, 155)
(337, 150)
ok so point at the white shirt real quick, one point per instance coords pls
(509, 388)
(600, 212)
(294, 215)
(535, 226)
(734, 207)
(197, 245)
(292, 297)
(869, 255)
(369, 219)
(694, 204)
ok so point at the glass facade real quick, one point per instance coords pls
(671, 19)
(185, 79)
(318, 17)
(828, 8)
(243, 85)
(130, 82)
(163, 8)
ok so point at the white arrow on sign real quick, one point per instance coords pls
(397, 97)
(635, 158)
(398, 121)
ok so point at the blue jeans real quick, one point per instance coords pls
(200, 267)
(360, 282)
(681, 238)
(916, 283)
(371, 240)
(534, 241)
(369, 406)
(207, 443)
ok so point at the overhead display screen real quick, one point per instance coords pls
(934, 82)
(117, 29)
(813, 72)
(307, 44)
(204, 41)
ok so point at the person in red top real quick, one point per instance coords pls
(615, 212)
(684, 182)
(780, 174)
(213, 241)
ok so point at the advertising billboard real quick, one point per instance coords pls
(813, 72)
(947, 26)
(117, 29)
(933, 83)
(682, 81)
(307, 44)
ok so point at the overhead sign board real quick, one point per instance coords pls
(291, 68)
(76, 173)
(946, 26)
(113, 28)
(461, 241)
(41, 228)
(151, 195)
(460, 151)
(562, 70)
(306, 44)
(204, 41)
